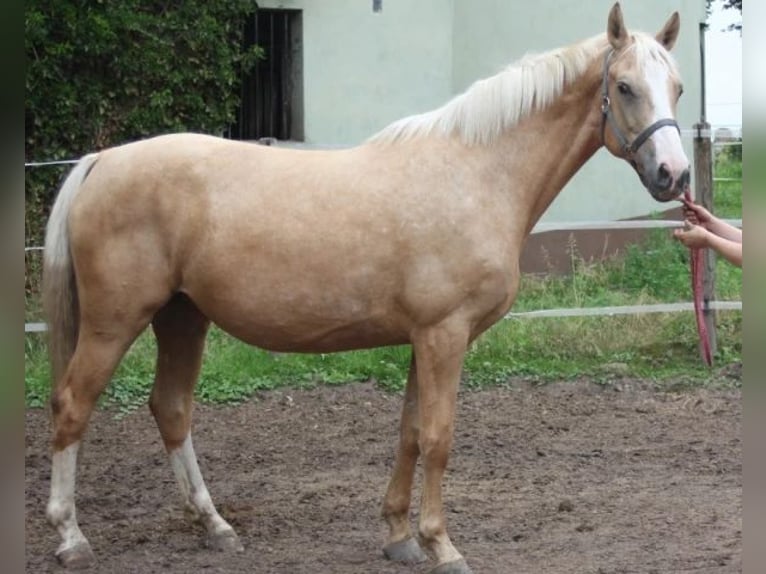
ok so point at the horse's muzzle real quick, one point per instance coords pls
(663, 185)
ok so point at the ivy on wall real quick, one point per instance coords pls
(100, 73)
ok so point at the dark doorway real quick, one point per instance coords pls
(272, 92)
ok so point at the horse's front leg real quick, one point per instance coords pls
(440, 351)
(400, 545)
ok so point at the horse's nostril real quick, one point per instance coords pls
(664, 178)
(684, 180)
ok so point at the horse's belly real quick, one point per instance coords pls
(312, 336)
(363, 336)
(283, 322)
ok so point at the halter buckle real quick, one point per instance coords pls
(605, 103)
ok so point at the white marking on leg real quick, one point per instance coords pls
(61, 508)
(193, 489)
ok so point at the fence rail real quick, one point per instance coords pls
(565, 312)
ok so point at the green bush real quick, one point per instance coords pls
(103, 73)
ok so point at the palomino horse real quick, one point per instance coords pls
(413, 237)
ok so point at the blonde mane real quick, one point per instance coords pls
(490, 106)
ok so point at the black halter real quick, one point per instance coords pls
(606, 114)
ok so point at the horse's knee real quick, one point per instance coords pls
(396, 504)
(165, 414)
(435, 446)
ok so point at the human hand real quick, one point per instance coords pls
(696, 214)
(693, 236)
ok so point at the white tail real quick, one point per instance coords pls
(59, 287)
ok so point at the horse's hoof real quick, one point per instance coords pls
(226, 541)
(77, 557)
(456, 567)
(407, 551)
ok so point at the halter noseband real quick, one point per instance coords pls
(606, 116)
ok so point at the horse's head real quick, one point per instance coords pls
(640, 89)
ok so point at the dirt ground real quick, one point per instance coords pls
(560, 478)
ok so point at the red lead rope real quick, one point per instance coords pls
(697, 258)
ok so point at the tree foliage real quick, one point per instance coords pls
(101, 73)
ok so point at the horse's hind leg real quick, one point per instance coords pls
(401, 546)
(73, 399)
(180, 329)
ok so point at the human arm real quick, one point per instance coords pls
(697, 236)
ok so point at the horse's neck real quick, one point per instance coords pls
(549, 147)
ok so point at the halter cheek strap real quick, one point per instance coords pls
(608, 117)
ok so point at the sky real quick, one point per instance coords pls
(723, 68)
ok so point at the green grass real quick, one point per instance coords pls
(727, 195)
(658, 347)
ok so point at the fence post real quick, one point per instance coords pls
(703, 185)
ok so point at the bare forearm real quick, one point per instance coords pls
(724, 230)
(729, 249)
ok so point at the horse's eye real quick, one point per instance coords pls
(624, 89)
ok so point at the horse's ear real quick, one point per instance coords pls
(615, 28)
(667, 36)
